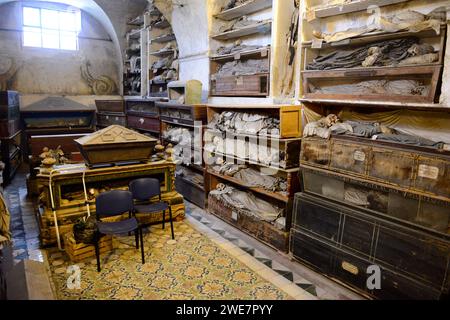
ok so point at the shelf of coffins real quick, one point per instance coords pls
(163, 38)
(176, 115)
(255, 84)
(238, 151)
(247, 8)
(137, 21)
(332, 104)
(422, 171)
(162, 56)
(262, 27)
(325, 11)
(270, 233)
(276, 195)
(318, 83)
(65, 187)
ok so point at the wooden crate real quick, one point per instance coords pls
(106, 119)
(144, 107)
(423, 171)
(259, 229)
(110, 106)
(79, 251)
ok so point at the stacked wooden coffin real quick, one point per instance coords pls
(369, 204)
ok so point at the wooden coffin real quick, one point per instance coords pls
(110, 106)
(109, 119)
(176, 113)
(337, 232)
(115, 144)
(57, 115)
(259, 229)
(256, 85)
(144, 107)
(416, 209)
(422, 171)
(144, 123)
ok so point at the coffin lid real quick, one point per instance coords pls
(112, 135)
(56, 104)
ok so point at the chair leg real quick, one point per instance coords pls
(171, 222)
(136, 237)
(142, 245)
(97, 252)
(164, 218)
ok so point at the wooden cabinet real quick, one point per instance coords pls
(342, 242)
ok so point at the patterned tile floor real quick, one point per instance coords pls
(292, 275)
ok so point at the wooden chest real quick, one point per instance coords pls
(181, 114)
(145, 107)
(259, 229)
(255, 85)
(342, 242)
(416, 209)
(110, 106)
(416, 170)
(109, 119)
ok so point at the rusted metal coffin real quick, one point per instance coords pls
(422, 171)
(115, 144)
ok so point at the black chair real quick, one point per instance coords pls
(114, 203)
(143, 190)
